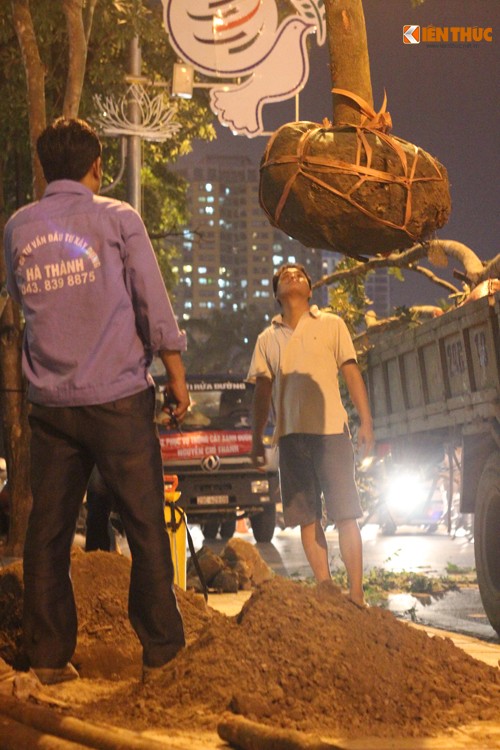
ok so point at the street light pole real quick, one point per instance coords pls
(134, 155)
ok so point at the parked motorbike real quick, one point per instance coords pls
(410, 498)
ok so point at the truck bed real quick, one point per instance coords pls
(441, 374)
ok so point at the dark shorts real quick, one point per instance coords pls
(316, 469)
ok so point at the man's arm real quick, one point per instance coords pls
(176, 386)
(359, 397)
(260, 414)
(154, 315)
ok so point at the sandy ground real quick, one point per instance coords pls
(288, 655)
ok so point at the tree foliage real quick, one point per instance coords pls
(55, 55)
(114, 24)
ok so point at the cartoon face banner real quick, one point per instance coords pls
(256, 57)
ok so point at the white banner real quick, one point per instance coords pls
(256, 58)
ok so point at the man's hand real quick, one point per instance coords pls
(359, 397)
(176, 391)
(261, 404)
(258, 454)
(366, 439)
(177, 396)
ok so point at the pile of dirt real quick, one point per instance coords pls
(238, 568)
(297, 656)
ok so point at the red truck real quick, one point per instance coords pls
(210, 453)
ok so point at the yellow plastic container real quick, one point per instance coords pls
(176, 528)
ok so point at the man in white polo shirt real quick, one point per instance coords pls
(295, 366)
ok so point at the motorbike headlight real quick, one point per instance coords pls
(405, 492)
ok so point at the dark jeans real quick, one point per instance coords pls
(99, 533)
(120, 438)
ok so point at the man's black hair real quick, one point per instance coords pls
(277, 274)
(67, 149)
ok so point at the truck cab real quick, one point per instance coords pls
(210, 454)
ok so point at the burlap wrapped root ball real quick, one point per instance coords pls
(354, 190)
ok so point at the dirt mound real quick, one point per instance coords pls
(298, 656)
(303, 657)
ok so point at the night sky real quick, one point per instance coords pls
(444, 99)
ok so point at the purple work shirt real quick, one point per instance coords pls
(94, 301)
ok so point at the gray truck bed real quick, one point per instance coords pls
(440, 374)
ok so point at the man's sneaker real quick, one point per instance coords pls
(53, 676)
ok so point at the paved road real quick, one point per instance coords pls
(410, 550)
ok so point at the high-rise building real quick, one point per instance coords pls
(228, 254)
(378, 290)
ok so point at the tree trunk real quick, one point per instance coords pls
(35, 80)
(349, 61)
(13, 402)
(73, 10)
(13, 408)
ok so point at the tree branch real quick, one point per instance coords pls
(398, 260)
(89, 17)
(435, 279)
(73, 10)
(475, 269)
(172, 233)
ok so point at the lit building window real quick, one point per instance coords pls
(208, 187)
(202, 269)
(187, 269)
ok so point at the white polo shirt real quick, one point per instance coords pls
(303, 364)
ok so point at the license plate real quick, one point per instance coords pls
(212, 499)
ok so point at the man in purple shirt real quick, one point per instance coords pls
(96, 312)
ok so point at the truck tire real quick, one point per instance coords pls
(227, 528)
(263, 524)
(210, 529)
(487, 538)
(388, 528)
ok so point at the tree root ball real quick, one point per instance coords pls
(355, 190)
